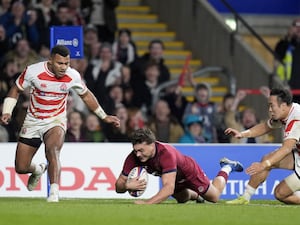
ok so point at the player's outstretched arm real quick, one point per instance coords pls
(92, 103)
(168, 181)
(233, 132)
(273, 158)
(257, 130)
(120, 184)
(9, 104)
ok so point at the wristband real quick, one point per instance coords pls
(246, 132)
(100, 112)
(268, 163)
(9, 105)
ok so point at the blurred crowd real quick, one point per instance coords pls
(122, 81)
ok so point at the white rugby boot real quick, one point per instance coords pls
(35, 177)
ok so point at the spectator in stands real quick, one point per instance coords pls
(91, 42)
(176, 100)
(124, 49)
(288, 51)
(142, 92)
(125, 76)
(221, 125)
(122, 133)
(76, 12)
(116, 94)
(4, 6)
(80, 65)
(76, 131)
(3, 87)
(8, 75)
(23, 54)
(202, 106)
(102, 73)
(125, 83)
(4, 42)
(43, 52)
(20, 23)
(94, 129)
(4, 137)
(102, 14)
(155, 54)
(247, 120)
(62, 16)
(136, 119)
(193, 126)
(165, 127)
(128, 97)
(45, 17)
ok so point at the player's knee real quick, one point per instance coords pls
(214, 199)
(211, 198)
(52, 154)
(182, 199)
(279, 194)
(21, 170)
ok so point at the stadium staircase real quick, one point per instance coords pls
(271, 40)
(146, 26)
(270, 27)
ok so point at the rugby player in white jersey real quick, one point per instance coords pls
(283, 114)
(49, 82)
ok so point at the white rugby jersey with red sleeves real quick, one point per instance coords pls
(48, 94)
(291, 123)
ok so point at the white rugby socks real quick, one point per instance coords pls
(249, 191)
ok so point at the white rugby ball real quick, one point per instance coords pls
(140, 172)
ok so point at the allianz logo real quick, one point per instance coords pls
(73, 42)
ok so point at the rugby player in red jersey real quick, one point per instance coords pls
(181, 176)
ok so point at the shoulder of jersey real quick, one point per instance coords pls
(73, 71)
(37, 65)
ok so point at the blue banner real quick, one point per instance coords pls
(69, 36)
(209, 155)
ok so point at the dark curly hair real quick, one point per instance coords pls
(142, 135)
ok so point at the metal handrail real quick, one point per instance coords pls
(252, 31)
(261, 40)
(203, 71)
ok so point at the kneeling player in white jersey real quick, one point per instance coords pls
(283, 114)
(49, 83)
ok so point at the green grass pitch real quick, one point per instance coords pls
(31, 211)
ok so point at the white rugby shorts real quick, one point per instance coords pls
(293, 180)
(36, 128)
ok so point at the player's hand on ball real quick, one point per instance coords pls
(137, 181)
(135, 184)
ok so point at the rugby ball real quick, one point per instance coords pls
(140, 172)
